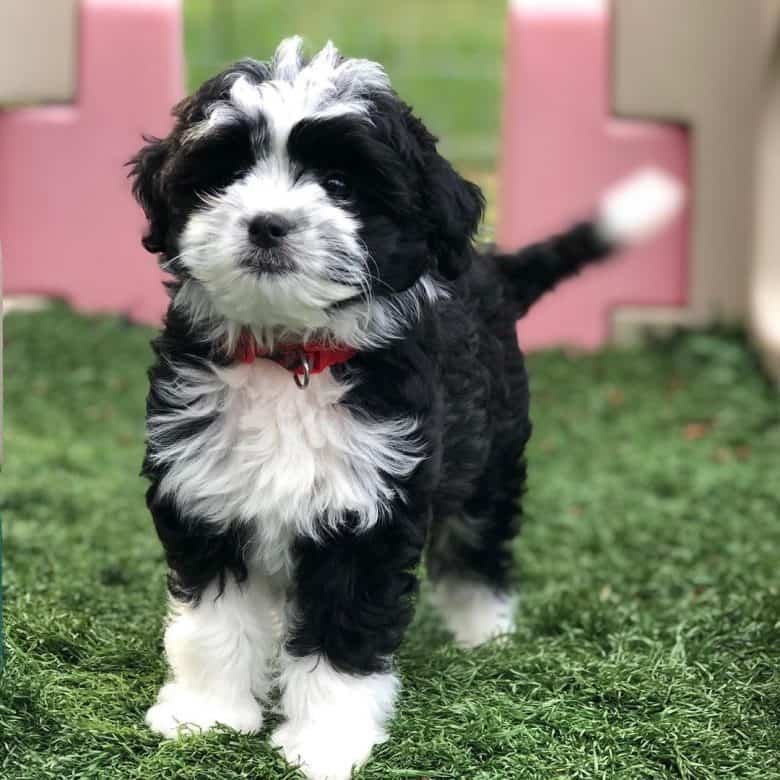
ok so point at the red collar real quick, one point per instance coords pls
(300, 359)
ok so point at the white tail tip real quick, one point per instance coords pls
(639, 206)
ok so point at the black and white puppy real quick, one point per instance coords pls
(337, 383)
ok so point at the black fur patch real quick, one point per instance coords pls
(456, 369)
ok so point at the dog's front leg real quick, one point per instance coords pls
(221, 634)
(351, 602)
(218, 654)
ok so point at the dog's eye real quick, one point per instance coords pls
(337, 185)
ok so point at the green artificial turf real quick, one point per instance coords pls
(648, 637)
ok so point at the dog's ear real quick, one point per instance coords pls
(146, 171)
(453, 206)
(456, 207)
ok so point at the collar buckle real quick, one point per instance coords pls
(302, 380)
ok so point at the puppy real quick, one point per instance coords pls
(337, 384)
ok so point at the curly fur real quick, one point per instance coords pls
(323, 500)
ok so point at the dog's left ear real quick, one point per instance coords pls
(454, 206)
(146, 172)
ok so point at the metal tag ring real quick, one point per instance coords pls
(302, 382)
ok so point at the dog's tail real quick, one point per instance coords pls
(631, 211)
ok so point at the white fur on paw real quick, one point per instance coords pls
(179, 711)
(326, 751)
(472, 612)
(333, 718)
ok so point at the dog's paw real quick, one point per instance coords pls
(326, 751)
(179, 711)
(473, 613)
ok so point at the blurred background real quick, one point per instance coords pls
(445, 58)
(544, 103)
(649, 626)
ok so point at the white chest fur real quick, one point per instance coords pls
(285, 460)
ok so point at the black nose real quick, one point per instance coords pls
(268, 230)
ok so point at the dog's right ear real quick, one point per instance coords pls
(146, 171)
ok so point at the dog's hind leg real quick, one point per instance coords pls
(470, 561)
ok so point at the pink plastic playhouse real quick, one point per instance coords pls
(595, 88)
(110, 72)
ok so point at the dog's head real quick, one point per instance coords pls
(291, 189)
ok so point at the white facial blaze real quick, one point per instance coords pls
(328, 262)
(325, 86)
